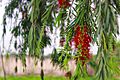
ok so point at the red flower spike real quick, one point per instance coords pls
(82, 58)
(63, 3)
(60, 2)
(83, 39)
(67, 4)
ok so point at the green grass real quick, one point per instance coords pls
(33, 78)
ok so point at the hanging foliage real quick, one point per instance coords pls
(81, 23)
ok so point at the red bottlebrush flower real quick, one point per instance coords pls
(82, 58)
(60, 2)
(82, 41)
(85, 28)
(63, 3)
(67, 4)
(89, 56)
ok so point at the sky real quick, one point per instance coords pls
(47, 50)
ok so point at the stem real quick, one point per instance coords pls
(42, 57)
(3, 67)
(3, 61)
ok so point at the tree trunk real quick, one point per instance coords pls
(3, 61)
(42, 57)
(3, 67)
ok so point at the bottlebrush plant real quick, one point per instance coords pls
(99, 15)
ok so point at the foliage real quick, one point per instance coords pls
(100, 20)
(25, 27)
(117, 49)
(59, 58)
